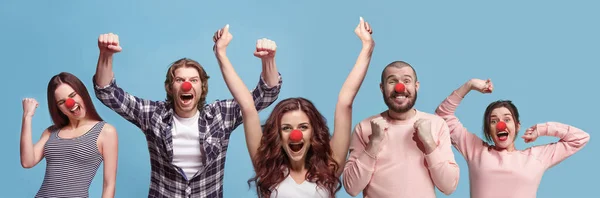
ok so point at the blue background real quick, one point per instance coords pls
(543, 55)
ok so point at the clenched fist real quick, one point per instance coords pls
(222, 38)
(483, 86)
(425, 140)
(378, 128)
(109, 43)
(29, 106)
(265, 49)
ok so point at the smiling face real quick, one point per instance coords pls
(296, 120)
(65, 92)
(404, 101)
(501, 113)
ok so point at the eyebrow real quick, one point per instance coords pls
(285, 124)
(506, 114)
(392, 76)
(178, 77)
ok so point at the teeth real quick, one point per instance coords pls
(186, 94)
(75, 107)
(400, 97)
(299, 143)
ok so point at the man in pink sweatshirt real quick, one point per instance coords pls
(401, 152)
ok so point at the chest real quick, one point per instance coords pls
(403, 144)
(78, 150)
(289, 188)
(516, 168)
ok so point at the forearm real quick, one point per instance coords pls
(443, 169)
(108, 190)
(463, 90)
(27, 150)
(357, 75)
(234, 83)
(269, 72)
(104, 72)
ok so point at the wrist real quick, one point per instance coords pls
(368, 45)
(221, 53)
(106, 55)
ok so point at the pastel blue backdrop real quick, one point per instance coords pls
(543, 55)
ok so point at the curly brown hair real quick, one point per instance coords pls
(322, 168)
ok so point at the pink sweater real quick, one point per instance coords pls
(400, 169)
(509, 174)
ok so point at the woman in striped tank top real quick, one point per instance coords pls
(74, 146)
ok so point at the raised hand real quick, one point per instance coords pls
(29, 106)
(364, 31)
(379, 127)
(265, 49)
(483, 86)
(531, 134)
(222, 38)
(423, 135)
(109, 43)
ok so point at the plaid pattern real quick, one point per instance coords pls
(155, 118)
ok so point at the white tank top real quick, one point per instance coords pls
(288, 188)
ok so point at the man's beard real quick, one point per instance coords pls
(400, 109)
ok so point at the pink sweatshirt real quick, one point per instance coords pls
(400, 169)
(509, 174)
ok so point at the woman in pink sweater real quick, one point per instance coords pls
(499, 169)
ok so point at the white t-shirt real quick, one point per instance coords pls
(186, 144)
(288, 188)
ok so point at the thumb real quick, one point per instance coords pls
(226, 29)
(361, 24)
(115, 47)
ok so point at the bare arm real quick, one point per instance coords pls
(108, 44)
(31, 154)
(239, 91)
(109, 147)
(340, 141)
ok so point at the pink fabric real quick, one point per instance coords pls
(400, 169)
(509, 174)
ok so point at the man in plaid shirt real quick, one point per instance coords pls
(187, 138)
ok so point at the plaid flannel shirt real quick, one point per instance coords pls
(155, 118)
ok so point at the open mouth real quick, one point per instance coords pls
(186, 98)
(75, 109)
(503, 135)
(399, 97)
(295, 147)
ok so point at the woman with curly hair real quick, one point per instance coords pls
(293, 154)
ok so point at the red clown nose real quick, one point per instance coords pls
(70, 103)
(296, 136)
(501, 126)
(399, 88)
(186, 86)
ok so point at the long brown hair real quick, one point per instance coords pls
(271, 157)
(58, 117)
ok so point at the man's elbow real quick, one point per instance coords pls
(350, 189)
(449, 188)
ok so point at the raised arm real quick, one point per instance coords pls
(571, 141)
(343, 109)
(133, 109)
(31, 154)
(238, 89)
(464, 141)
(109, 148)
(265, 93)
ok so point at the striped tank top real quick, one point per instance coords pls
(71, 164)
